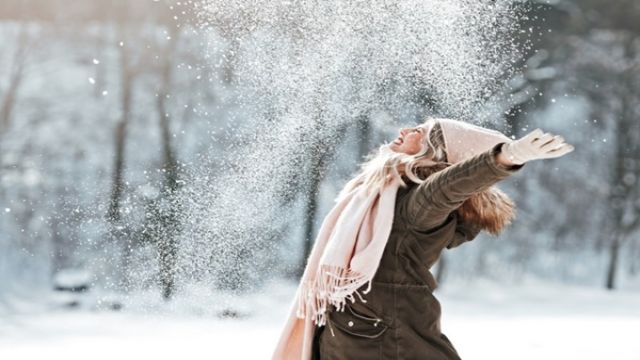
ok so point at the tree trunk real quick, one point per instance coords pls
(625, 153)
(614, 250)
(318, 164)
(120, 138)
(167, 246)
(118, 232)
(311, 210)
(118, 166)
(15, 80)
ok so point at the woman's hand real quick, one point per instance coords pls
(533, 146)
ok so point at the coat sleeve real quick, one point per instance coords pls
(429, 205)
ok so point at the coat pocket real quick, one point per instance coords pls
(352, 322)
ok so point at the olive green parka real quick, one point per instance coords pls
(401, 316)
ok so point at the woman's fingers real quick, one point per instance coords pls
(561, 150)
(554, 142)
(533, 135)
(543, 139)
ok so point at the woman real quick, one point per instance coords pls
(367, 292)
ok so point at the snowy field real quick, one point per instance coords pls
(483, 321)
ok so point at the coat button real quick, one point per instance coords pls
(350, 323)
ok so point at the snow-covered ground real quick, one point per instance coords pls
(484, 321)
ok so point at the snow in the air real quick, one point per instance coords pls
(162, 164)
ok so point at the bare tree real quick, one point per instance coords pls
(320, 150)
(167, 247)
(127, 76)
(23, 43)
(606, 68)
(119, 231)
(317, 164)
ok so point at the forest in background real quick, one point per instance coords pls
(110, 112)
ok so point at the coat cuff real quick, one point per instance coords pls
(499, 169)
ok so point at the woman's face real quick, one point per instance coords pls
(409, 141)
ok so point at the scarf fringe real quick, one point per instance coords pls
(333, 285)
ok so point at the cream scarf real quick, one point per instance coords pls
(345, 256)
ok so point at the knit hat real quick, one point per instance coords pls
(463, 140)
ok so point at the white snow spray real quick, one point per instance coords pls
(303, 71)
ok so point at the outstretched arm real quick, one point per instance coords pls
(430, 203)
(442, 192)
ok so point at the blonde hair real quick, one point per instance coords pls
(491, 210)
(384, 165)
